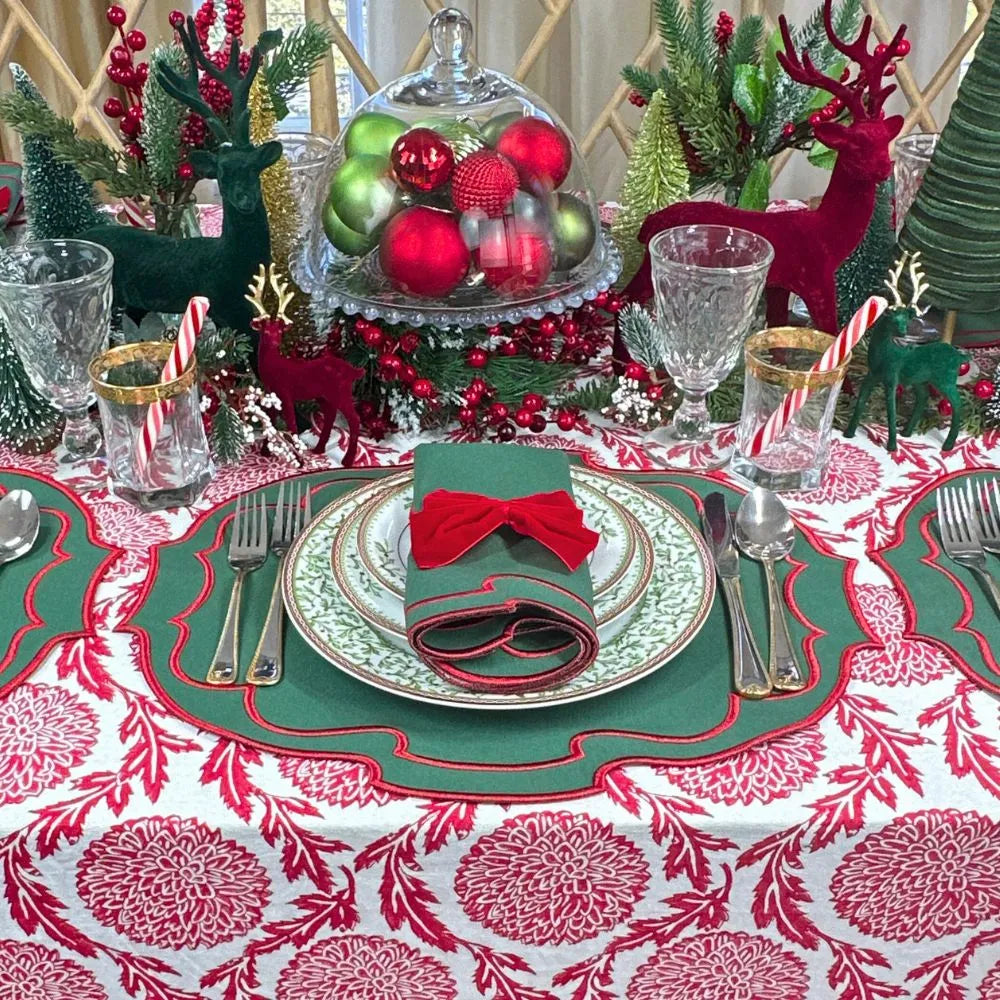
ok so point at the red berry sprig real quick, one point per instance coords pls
(123, 70)
(725, 28)
(637, 99)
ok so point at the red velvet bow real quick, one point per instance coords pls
(452, 523)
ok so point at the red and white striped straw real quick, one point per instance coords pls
(833, 357)
(135, 214)
(180, 355)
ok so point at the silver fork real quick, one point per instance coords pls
(289, 520)
(987, 511)
(247, 552)
(960, 537)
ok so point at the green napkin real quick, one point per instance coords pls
(508, 613)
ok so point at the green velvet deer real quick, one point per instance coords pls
(155, 273)
(921, 367)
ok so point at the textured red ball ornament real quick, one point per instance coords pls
(540, 152)
(514, 260)
(422, 160)
(484, 180)
(477, 358)
(116, 15)
(983, 389)
(422, 251)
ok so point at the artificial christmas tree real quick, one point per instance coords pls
(863, 273)
(58, 201)
(955, 221)
(657, 176)
(27, 422)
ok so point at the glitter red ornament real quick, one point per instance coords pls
(540, 151)
(477, 358)
(422, 252)
(484, 180)
(983, 389)
(422, 160)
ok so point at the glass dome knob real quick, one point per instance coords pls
(451, 36)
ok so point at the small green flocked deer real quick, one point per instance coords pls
(921, 367)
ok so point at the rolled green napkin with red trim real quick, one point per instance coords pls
(498, 590)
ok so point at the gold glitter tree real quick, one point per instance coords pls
(282, 214)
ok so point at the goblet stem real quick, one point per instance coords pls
(81, 436)
(691, 420)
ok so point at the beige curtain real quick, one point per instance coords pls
(579, 68)
(80, 32)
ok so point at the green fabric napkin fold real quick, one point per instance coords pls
(508, 613)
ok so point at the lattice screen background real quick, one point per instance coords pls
(604, 126)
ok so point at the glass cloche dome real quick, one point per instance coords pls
(456, 197)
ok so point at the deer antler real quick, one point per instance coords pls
(256, 296)
(919, 283)
(892, 282)
(873, 65)
(284, 292)
(185, 88)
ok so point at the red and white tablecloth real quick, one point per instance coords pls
(857, 859)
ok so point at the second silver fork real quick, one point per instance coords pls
(987, 510)
(960, 536)
(289, 519)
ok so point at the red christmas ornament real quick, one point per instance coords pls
(116, 15)
(983, 389)
(540, 152)
(185, 171)
(422, 159)
(538, 424)
(136, 40)
(422, 252)
(944, 408)
(533, 402)
(523, 417)
(565, 420)
(409, 341)
(513, 259)
(423, 388)
(484, 180)
(635, 371)
(477, 358)
(114, 108)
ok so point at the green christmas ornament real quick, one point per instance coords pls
(364, 195)
(494, 127)
(373, 134)
(345, 239)
(573, 230)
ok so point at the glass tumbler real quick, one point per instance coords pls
(913, 156)
(126, 380)
(708, 282)
(777, 363)
(55, 298)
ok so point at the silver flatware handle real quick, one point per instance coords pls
(783, 665)
(266, 667)
(987, 577)
(225, 662)
(749, 677)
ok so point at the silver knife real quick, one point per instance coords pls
(749, 676)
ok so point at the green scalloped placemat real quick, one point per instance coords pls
(941, 597)
(683, 712)
(46, 595)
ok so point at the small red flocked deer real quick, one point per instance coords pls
(810, 245)
(328, 379)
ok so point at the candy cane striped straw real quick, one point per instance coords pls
(135, 214)
(833, 357)
(180, 355)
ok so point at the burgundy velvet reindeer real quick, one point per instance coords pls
(328, 379)
(810, 245)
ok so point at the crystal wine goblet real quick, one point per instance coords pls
(55, 297)
(708, 282)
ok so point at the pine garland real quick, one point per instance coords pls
(290, 65)
(641, 337)
(163, 117)
(58, 201)
(656, 177)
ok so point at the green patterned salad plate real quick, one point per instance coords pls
(677, 600)
(371, 552)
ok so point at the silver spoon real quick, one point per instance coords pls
(764, 531)
(19, 520)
